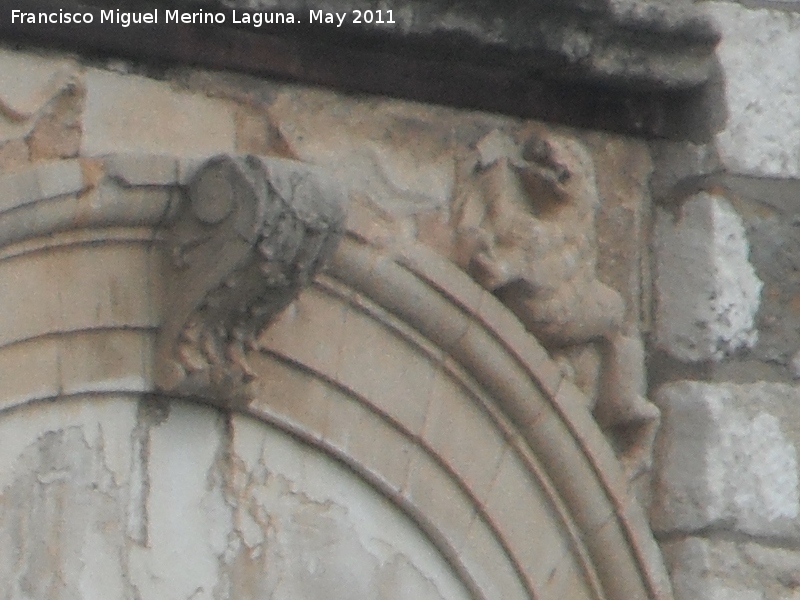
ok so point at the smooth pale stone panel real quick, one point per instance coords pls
(76, 287)
(128, 113)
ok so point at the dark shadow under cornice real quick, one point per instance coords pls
(635, 67)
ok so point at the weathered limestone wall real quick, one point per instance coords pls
(725, 349)
(107, 497)
(474, 464)
(513, 223)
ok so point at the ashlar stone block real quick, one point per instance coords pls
(759, 47)
(708, 293)
(702, 569)
(48, 180)
(726, 459)
(138, 115)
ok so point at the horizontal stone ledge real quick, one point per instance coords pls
(636, 42)
(631, 67)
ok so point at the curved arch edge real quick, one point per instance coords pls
(418, 287)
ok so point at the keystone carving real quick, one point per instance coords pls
(250, 234)
(525, 231)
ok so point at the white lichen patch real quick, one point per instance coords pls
(708, 292)
(752, 470)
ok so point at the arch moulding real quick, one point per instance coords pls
(239, 282)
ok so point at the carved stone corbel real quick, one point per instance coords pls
(249, 235)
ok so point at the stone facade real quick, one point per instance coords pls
(357, 304)
(725, 487)
(263, 339)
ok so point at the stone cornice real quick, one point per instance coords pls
(631, 66)
(625, 43)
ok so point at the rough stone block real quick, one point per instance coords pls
(726, 459)
(708, 293)
(759, 47)
(699, 571)
(724, 569)
(135, 114)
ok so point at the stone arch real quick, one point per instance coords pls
(519, 455)
(395, 364)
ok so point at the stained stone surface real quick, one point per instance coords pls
(726, 459)
(733, 570)
(708, 293)
(110, 498)
(180, 502)
(759, 47)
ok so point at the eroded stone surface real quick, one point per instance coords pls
(253, 234)
(724, 569)
(759, 47)
(726, 459)
(708, 293)
(395, 154)
(622, 167)
(104, 499)
(246, 526)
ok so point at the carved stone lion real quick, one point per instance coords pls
(525, 231)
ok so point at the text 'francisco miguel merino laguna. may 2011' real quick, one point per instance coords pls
(199, 17)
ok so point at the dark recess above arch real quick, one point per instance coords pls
(631, 66)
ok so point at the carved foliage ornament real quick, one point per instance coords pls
(250, 234)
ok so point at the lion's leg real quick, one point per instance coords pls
(622, 407)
